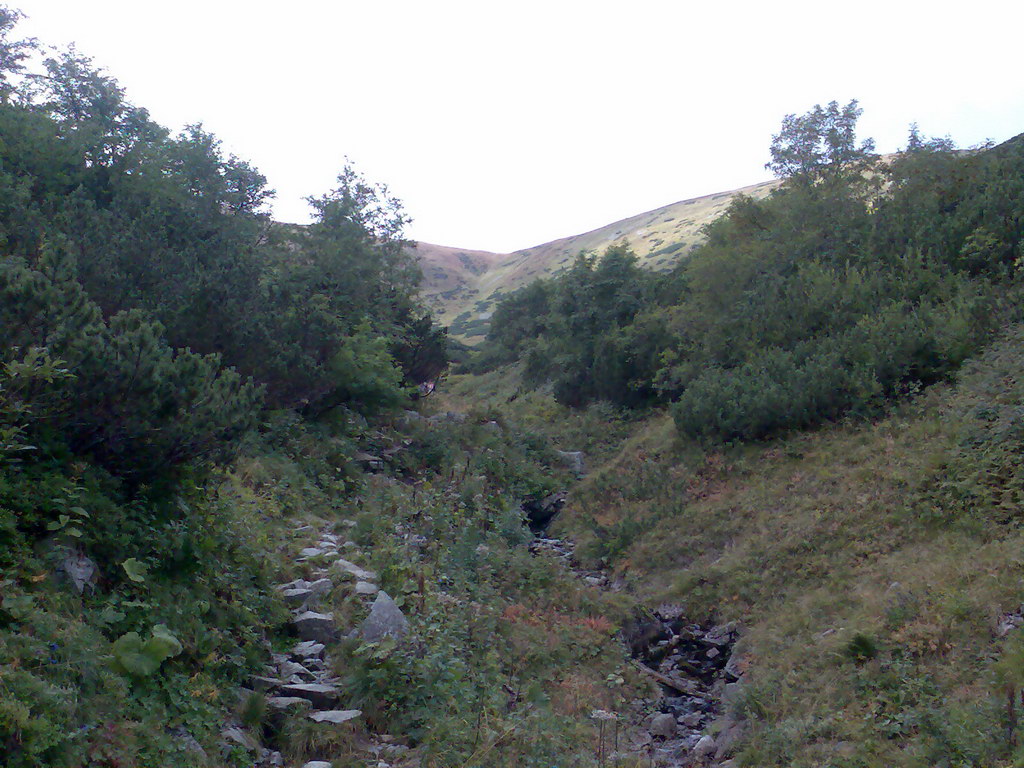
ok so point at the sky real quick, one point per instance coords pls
(503, 125)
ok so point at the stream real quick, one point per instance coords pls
(697, 669)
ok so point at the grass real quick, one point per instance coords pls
(901, 536)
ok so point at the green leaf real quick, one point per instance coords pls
(163, 642)
(110, 615)
(131, 658)
(136, 570)
(141, 659)
(18, 606)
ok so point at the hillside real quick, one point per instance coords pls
(461, 286)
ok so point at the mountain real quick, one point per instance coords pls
(462, 285)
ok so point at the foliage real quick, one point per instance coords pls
(849, 287)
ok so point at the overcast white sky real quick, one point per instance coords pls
(502, 125)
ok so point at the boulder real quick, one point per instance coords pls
(284, 703)
(296, 596)
(319, 627)
(336, 716)
(663, 725)
(80, 570)
(309, 649)
(321, 586)
(353, 569)
(704, 747)
(317, 764)
(366, 588)
(317, 694)
(574, 460)
(309, 552)
(235, 735)
(385, 620)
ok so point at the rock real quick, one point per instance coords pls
(336, 716)
(274, 759)
(238, 736)
(704, 747)
(310, 552)
(691, 719)
(355, 570)
(317, 694)
(663, 725)
(737, 663)
(385, 620)
(319, 627)
(712, 653)
(264, 683)
(290, 668)
(283, 703)
(310, 649)
(80, 570)
(731, 731)
(722, 635)
(574, 460)
(317, 764)
(297, 596)
(321, 586)
(366, 588)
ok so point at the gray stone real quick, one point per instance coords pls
(366, 588)
(385, 620)
(704, 747)
(316, 626)
(309, 552)
(336, 716)
(663, 725)
(737, 663)
(288, 702)
(317, 764)
(317, 694)
(289, 668)
(309, 649)
(574, 460)
(691, 719)
(240, 737)
(80, 570)
(297, 596)
(353, 569)
(321, 586)
(264, 683)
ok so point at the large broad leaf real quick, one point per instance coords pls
(163, 642)
(136, 571)
(141, 659)
(130, 657)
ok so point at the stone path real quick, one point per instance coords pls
(301, 680)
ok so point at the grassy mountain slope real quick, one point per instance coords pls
(874, 566)
(461, 285)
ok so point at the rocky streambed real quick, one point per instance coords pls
(698, 670)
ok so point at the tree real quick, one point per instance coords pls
(12, 52)
(820, 145)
